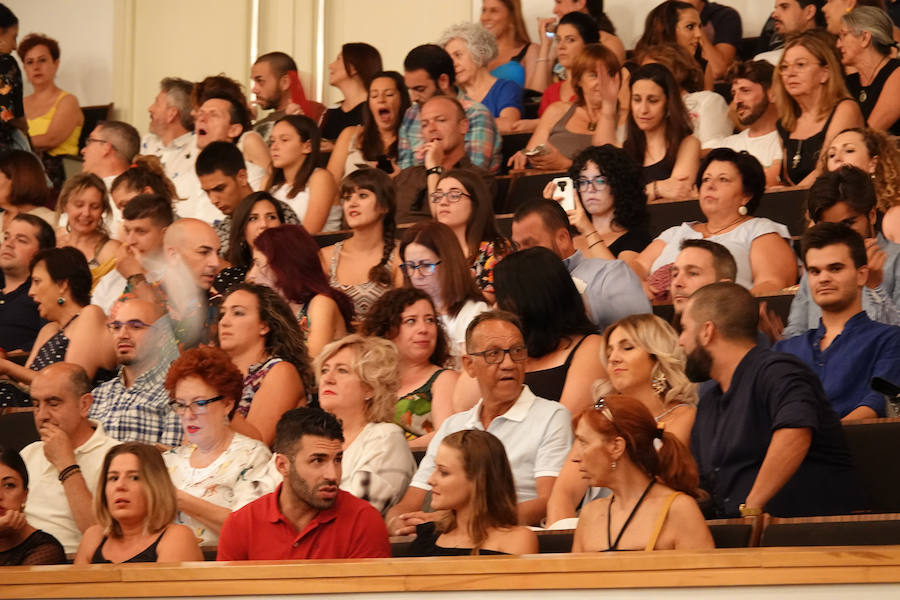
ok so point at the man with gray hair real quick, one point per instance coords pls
(109, 150)
(63, 467)
(171, 137)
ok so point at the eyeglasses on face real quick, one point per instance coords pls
(133, 325)
(584, 183)
(495, 356)
(453, 195)
(424, 268)
(799, 66)
(197, 407)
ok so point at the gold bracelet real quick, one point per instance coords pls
(595, 243)
(594, 232)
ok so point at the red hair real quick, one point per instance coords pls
(211, 365)
(672, 464)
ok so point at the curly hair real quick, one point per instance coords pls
(480, 42)
(376, 363)
(887, 168)
(79, 183)
(386, 314)
(146, 172)
(33, 40)
(284, 339)
(660, 341)
(623, 176)
(213, 366)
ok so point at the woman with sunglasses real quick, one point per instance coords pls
(653, 478)
(217, 470)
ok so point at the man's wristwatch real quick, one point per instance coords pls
(438, 170)
(749, 512)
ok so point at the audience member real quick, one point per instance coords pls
(25, 235)
(85, 203)
(472, 48)
(753, 102)
(429, 71)
(813, 104)
(678, 24)
(110, 149)
(286, 259)
(65, 465)
(259, 333)
(573, 32)
(473, 484)
(593, 9)
(792, 17)
(133, 406)
(219, 470)
(171, 136)
(351, 73)
(20, 543)
(365, 265)
(516, 55)
(721, 35)
(357, 381)
(847, 349)
(536, 432)
(407, 317)
(434, 263)
(374, 143)
(731, 185)
(765, 437)
(699, 263)
(54, 117)
(23, 187)
(659, 135)
(134, 505)
(14, 131)
(273, 76)
(308, 515)
(620, 446)
(146, 175)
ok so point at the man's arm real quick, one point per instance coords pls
(59, 452)
(786, 452)
(532, 511)
(481, 138)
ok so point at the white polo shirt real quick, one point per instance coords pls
(536, 433)
(47, 507)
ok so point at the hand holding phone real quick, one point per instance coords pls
(565, 193)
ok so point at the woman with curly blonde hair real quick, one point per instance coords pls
(643, 360)
(358, 378)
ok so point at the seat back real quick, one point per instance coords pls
(875, 444)
(743, 532)
(17, 430)
(555, 541)
(849, 530)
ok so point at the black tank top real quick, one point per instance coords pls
(425, 544)
(549, 383)
(800, 156)
(868, 96)
(148, 554)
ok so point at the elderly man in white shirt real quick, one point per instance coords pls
(535, 432)
(64, 467)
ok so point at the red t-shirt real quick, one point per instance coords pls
(352, 528)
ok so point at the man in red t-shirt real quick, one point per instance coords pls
(307, 516)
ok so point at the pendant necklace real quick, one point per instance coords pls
(592, 123)
(863, 96)
(795, 161)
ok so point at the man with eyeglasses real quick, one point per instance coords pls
(134, 405)
(109, 150)
(536, 433)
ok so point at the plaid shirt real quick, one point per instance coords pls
(140, 412)
(483, 141)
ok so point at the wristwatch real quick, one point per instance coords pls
(749, 512)
(434, 171)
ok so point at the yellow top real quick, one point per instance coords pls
(41, 124)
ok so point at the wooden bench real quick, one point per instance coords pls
(845, 530)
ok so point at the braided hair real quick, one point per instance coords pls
(379, 183)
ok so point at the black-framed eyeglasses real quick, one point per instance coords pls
(452, 195)
(425, 268)
(197, 407)
(133, 325)
(601, 407)
(584, 183)
(495, 356)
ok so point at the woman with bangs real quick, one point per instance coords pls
(567, 128)
(365, 265)
(23, 186)
(374, 143)
(135, 506)
(813, 104)
(85, 202)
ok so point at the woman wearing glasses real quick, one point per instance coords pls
(813, 104)
(217, 470)
(259, 333)
(462, 202)
(365, 265)
(434, 263)
(653, 478)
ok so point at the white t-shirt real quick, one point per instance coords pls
(708, 112)
(378, 465)
(766, 148)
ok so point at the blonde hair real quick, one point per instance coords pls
(659, 340)
(158, 489)
(820, 44)
(78, 183)
(886, 178)
(376, 363)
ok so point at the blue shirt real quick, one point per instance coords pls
(512, 70)
(613, 291)
(503, 94)
(864, 349)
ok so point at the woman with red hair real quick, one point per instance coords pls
(652, 476)
(286, 259)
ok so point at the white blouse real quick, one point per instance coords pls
(378, 465)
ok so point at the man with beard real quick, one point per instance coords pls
(793, 16)
(754, 105)
(765, 437)
(307, 516)
(847, 349)
(272, 87)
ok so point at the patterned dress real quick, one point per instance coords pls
(364, 295)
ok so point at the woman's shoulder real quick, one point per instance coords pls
(384, 431)
(516, 540)
(758, 226)
(593, 510)
(91, 315)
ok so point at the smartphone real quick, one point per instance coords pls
(565, 193)
(551, 30)
(538, 150)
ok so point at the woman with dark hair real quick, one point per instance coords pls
(13, 125)
(462, 202)
(20, 543)
(407, 317)
(365, 265)
(23, 187)
(516, 54)
(374, 143)
(85, 202)
(218, 470)
(309, 190)
(473, 482)
(434, 263)
(653, 478)
(259, 333)
(76, 329)
(135, 506)
(563, 345)
(731, 185)
(145, 176)
(286, 259)
(352, 73)
(567, 128)
(659, 135)
(593, 9)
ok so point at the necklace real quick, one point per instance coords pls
(863, 96)
(592, 122)
(711, 232)
(797, 155)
